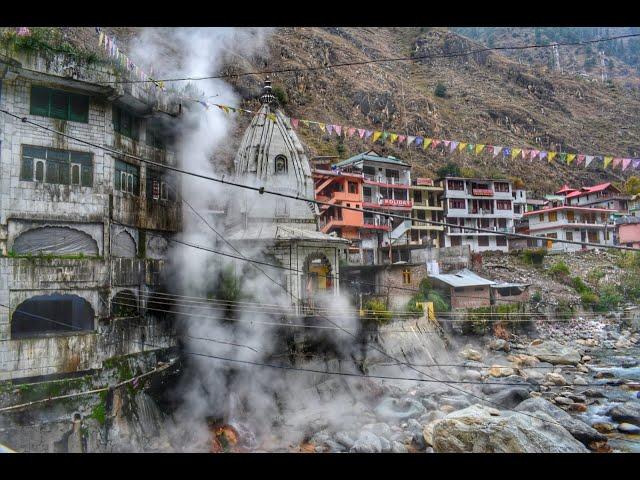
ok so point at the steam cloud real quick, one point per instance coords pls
(243, 395)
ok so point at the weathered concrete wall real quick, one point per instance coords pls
(390, 281)
(449, 258)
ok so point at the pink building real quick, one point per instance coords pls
(628, 232)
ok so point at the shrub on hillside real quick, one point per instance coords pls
(610, 299)
(376, 311)
(533, 256)
(559, 268)
(440, 91)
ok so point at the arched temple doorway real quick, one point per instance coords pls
(317, 277)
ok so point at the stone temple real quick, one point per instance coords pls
(272, 156)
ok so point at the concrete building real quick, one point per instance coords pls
(386, 186)
(465, 289)
(83, 232)
(627, 231)
(287, 229)
(478, 203)
(427, 205)
(340, 187)
(603, 195)
(566, 222)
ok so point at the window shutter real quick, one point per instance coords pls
(64, 173)
(26, 171)
(39, 170)
(116, 182)
(87, 176)
(59, 105)
(39, 101)
(75, 174)
(79, 108)
(52, 172)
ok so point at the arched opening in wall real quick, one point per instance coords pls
(281, 165)
(317, 276)
(124, 304)
(55, 240)
(123, 245)
(49, 314)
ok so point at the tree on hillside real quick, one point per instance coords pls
(632, 185)
(449, 170)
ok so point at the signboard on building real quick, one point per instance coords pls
(391, 202)
(424, 181)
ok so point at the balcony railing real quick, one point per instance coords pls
(387, 180)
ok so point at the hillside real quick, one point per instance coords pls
(490, 98)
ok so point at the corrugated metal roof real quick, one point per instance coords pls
(463, 278)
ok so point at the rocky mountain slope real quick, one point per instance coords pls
(490, 98)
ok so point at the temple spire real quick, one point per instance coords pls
(267, 96)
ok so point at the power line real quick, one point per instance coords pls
(380, 60)
(297, 197)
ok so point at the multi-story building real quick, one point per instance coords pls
(341, 188)
(427, 205)
(519, 202)
(603, 195)
(478, 203)
(634, 205)
(567, 222)
(386, 187)
(83, 231)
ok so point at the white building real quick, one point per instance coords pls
(82, 230)
(478, 203)
(567, 222)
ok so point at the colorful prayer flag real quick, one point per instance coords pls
(636, 164)
(580, 159)
(496, 150)
(338, 129)
(419, 141)
(551, 156)
(368, 133)
(543, 155)
(385, 134)
(350, 132)
(410, 139)
(401, 138)
(625, 163)
(587, 160)
(454, 145)
(361, 132)
(570, 158)
(393, 137)
(322, 126)
(506, 151)
(479, 148)
(607, 161)
(462, 146)
(294, 123)
(329, 128)
(376, 136)
(515, 152)
(616, 162)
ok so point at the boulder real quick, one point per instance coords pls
(555, 353)
(510, 397)
(397, 447)
(474, 429)
(555, 379)
(499, 344)
(343, 438)
(563, 401)
(580, 430)
(628, 412)
(367, 442)
(394, 409)
(380, 429)
(469, 353)
(501, 371)
(629, 428)
(604, 427)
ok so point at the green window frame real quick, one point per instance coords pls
(126, 123)
(52, 165)
(127, 178)
(47, 102)
(154, 138)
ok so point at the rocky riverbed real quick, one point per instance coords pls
(569, 387)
